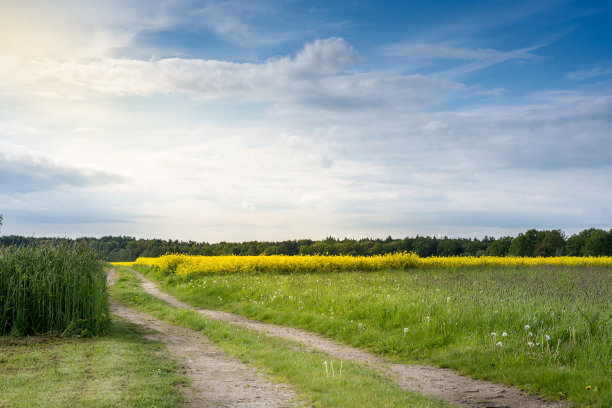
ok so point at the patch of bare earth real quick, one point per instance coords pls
(217, 380)
(435, 382)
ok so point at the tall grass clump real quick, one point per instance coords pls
(57, 288)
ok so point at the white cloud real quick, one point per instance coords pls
(23, 171)
(236, 20)
(481, 58)
(205, 78)
(589, 73)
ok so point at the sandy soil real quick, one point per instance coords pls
(436, 382)
(217, 380)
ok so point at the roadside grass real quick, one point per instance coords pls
(557, 320)
(121, 369)
(357, 386)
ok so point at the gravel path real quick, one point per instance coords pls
(435, 382)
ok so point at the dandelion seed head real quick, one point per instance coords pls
(547, 337)
(527, 327)
(493, 334)
(504, 334)
(498, 344)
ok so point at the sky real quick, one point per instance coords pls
(226, 120)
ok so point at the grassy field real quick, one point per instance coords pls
(120, 369)
(305, 370)
(546, 329)
(187, 265)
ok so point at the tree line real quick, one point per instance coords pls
(589, 242)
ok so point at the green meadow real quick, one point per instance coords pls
(544, 329)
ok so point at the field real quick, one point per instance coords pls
(544, 328)
(185, 265)
(541, 324)
(353, 386)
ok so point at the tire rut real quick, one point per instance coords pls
(217, 380)
(435, 382)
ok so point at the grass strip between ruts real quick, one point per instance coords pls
(357, 386)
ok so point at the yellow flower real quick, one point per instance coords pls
(588, 387)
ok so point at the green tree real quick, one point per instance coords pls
(448, 247)
(575, 244)
(598, 244)
(550, 243)
(499, 247)
(524, 244)
(0, 222)
(425, 246)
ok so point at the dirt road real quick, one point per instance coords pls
(217, 380)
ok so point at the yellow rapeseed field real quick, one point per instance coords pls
(185, 265)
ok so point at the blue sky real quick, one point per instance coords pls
(236, 120)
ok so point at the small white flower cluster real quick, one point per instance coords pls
(499, 344)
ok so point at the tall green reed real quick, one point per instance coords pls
(54, 288)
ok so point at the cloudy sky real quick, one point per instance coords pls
(264, 119)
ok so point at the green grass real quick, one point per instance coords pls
(52, 289)
(357, 386)
(445, 317)
(119, 370)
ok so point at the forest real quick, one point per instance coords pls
(589, 242)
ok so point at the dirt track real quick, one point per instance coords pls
(431, 381)
(217, 380)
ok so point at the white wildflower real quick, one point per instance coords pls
(405, 330)
(530, 344)
(530, 334)
(547, 337)
(504, 334)
(493, 334)
(499, 344)
(527, 327)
